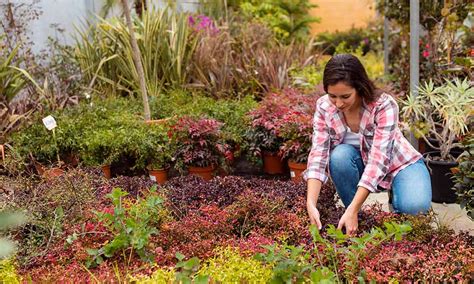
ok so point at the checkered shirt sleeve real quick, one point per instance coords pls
(380, 154)
(319, 154)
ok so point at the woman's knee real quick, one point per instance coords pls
(412, 206)
(342, 155)
(412, 190)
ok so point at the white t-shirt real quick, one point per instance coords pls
(351, 138)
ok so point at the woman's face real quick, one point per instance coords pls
(344, 97)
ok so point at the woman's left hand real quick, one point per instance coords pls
(349, 220)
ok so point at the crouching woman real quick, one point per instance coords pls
(356, 135)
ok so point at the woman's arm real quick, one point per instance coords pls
(380, 153)
(349, 219)
(314, 188)
(317, 161)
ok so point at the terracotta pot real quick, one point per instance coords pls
(296, 171)
(52, 173)
(2, 152)
(272, 163)
(39, 168)
(205, 172)
(160, 176)
(107, 171)
(71, 159)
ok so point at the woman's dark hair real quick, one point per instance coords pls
(347, 68)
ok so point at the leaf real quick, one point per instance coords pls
(92, 252)
(180, 256)
(201, 279)
(6, 248)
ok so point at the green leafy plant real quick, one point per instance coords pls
(309, 76)
(155, 148)
(444, 46)
(163, 39)
(288, 19)
(372, 61)
(335, 259)
(187, 270)
(9, 220)
(131, 226)
(441, 112)
(464, 176)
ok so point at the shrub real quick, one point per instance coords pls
(464, 176)
(50, 206)
(199, 142)
(195, 235)
(446, 107)
(366, 39)
(131, 225)
(434, 261)
(8, 272)
(103, 52)
(228, 265)
(264, 134)
(289, 20)
(296, 129)
(231, 112)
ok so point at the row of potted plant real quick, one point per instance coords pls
(282, 130)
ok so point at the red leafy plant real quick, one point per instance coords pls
(281, 117)
(199, 142)
(438, 260)
(197, 234)
(296, 131)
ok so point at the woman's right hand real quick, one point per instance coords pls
(313, 213)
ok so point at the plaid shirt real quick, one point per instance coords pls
(383, 148)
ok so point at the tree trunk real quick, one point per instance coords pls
(137, 59)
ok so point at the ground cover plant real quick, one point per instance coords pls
(127, 228)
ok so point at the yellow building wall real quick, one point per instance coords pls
(341, 15)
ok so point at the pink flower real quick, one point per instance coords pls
(426, 53)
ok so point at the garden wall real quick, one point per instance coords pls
(340, 15)
(67, 14)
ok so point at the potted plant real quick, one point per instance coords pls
(268, 121)
(199, 145)
(263, 135)
(296, 130)
(99, 149)
(442, 113)
(155, 151)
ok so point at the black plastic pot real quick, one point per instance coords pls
(441, 178)
(423, 147)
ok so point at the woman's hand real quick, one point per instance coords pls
(349, 220)
(313, 213)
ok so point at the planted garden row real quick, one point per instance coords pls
(84, 227)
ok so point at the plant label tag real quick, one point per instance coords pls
(153, 178)
(49, 122)
(292, 174)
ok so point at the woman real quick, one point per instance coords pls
(356, 133)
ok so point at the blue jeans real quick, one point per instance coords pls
(411, 187)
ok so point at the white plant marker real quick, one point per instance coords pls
(49, 122)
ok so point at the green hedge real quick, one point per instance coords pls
(103, 131)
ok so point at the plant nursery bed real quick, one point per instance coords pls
(84, 228)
